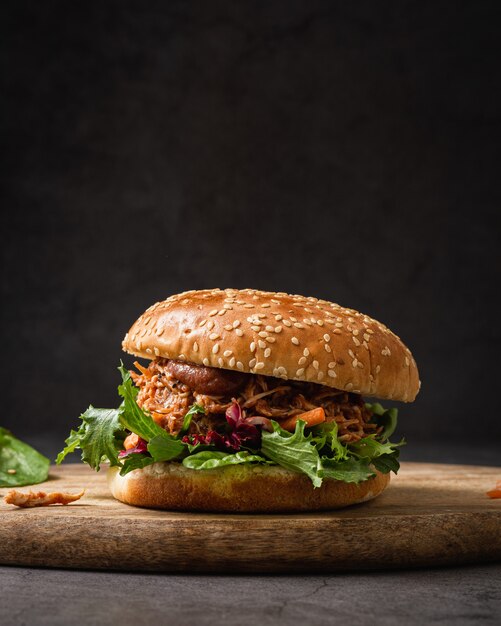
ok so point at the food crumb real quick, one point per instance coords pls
(496, 492)
(11, 471)
(32, 499)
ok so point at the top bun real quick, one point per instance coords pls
(281, 335)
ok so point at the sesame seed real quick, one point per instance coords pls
(293, 319)
(378, 369)
(206, 361)
(302, 360)
(261, 316)
(267, 353)
(270, 339)
(221, 362)
(227, 353)
(320, 375)
(355, 331)
(270, 329)
(239, 332)
(240, 365)
(160, 332)
(365, 345)
(261, 344)
(236, 323)
(315, 364)
(370, 331)
(252, 346)
(298, 325)
(195, 347)
(367, 337)
(339, 325)
(327, 348)
(215, 349)
(213, 312)
(300, 371)
(407, 362)
(295, 341)
(227, 306)
(221, 312)
(349, 386)
(255, 328)
(360, 364)
(266, 305)
(214, 336)
(336, 331)
(252, 362)
(354, 363)
(307, 321)
(143, 333)
(278, 318)
(259, 366)
(210, 325)
(282, 370)
(331, 364)
(156, 350)
(331, 373)
(350, 352)
(263, 333)
(356, 341)
(327, 337)
(248, 306)
(231, 362)
(278, 329)
(202, 323)
(287, 323)
(228, 327)
(306, 352)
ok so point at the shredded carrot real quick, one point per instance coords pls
(496, 492)
(313, 417)
(142, 369)
(131, 441)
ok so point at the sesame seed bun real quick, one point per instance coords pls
(236, 489)
(276, 334)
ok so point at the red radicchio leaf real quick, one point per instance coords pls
(142, 446)
(243, 432)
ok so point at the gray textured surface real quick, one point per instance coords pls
(461, 596)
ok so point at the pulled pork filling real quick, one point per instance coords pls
(168, 388)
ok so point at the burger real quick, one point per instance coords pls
(251, 401)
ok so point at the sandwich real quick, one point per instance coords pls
(251, 401)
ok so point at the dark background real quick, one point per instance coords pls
(344, 150)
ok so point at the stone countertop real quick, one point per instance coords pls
(460, 596)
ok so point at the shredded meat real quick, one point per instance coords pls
(168, 400)
(40, 498)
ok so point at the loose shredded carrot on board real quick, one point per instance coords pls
(496, 492)
(313, 417)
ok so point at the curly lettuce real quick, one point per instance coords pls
(316, 452)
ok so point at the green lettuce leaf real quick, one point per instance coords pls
(135, 461)
(165, 447)
(131, 416)
(383, 456)
(326, 435)
(294, 451)
(28, 467)
(384, 417)
(210, 460)
(100, 438)
(195, 409)
(349, 471)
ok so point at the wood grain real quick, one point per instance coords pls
(430, 515)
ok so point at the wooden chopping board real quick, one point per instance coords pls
(429, 515)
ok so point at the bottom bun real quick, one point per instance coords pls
(236, 489)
